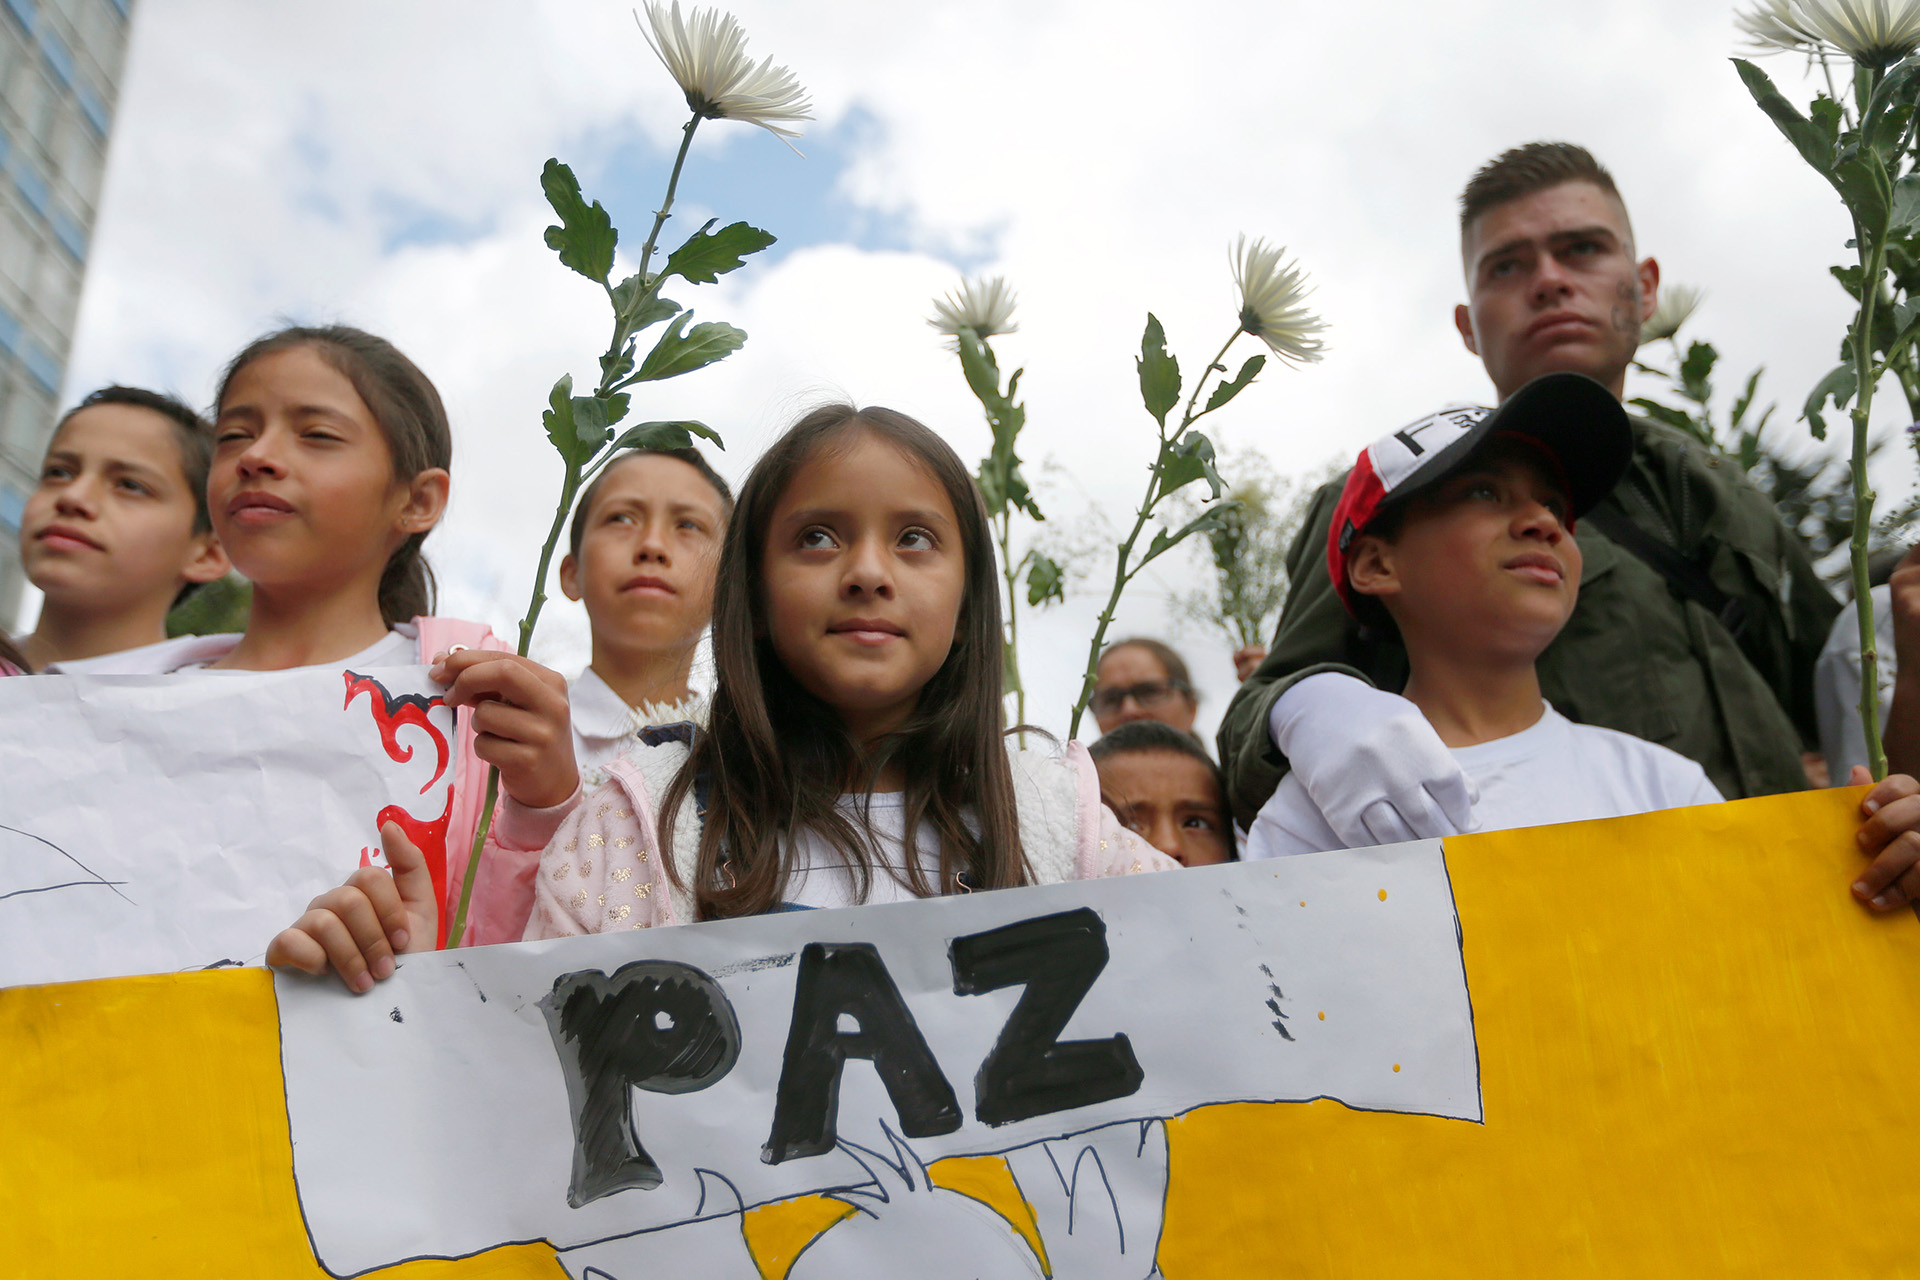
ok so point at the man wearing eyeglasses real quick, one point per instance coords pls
(1141, 679)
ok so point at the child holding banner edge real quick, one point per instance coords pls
(1457, 531)
(857, 749)
(330, 467)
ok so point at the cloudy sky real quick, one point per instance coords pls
(377, 163)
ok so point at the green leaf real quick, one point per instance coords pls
(1888, 111)
(1164, 541)
(1745, 400)
(665, 435)
(1839, 385)
(1666, 414)
(1696, 372)
(1185, 460)
(1861, 178)
(1906, 204)
(1159, 372)
(705, 258)
(1228, 390)
(585, 237)
(1046, 580)
(591, 415)
(635, 309)
(682, 350)
(559, 421)
(1813, 139)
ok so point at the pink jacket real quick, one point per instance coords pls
(503, 895)
(605, 869)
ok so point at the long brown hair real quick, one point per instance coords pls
(405, 403)
(775, 758)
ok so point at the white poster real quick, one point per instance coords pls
(158, 823)
(659, 1081)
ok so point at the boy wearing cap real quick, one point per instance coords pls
(1457, 531)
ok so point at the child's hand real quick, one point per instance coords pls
(356, 929)
(1891, 837)
(520, 716)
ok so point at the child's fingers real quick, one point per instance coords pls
(353, 929)
(413, 881)
(507, 678)
(1895, 786)
(1859, 776)
(518, 724)
(295, 948)
(1888, 822)
(1894, 879)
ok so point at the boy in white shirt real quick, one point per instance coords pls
(1458, 531)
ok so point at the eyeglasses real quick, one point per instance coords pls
(1147, 696)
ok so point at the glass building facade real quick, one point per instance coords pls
(60, 64)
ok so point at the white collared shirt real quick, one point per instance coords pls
(604, 726)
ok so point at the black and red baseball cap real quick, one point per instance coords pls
(1578, 423)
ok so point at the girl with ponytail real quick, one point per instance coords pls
(330, 468)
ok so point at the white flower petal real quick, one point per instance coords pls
(706, 54)
(1871, 32)
(1273, 301)
(1677, 303)
(984, 306)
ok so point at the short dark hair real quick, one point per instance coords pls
(1175, 665)
(1141, 736)
(689, 455)
(1526, 169)
(1151, 735)
(191, 432)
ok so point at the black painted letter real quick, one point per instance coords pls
(847, 978)
(656, 1025)
(1029, 1072)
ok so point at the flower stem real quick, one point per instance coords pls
(666, 206)
(1873, 264)
(1011, 573)
(568, 488)
(1124, 569)
(1213, 365)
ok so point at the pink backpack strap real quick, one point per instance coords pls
(439, 635)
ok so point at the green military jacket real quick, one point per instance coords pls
(1635, 656)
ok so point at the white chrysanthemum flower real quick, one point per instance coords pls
(984, 306)
(1272, 301)
(1677, 302)
(1873, 33)
(707, 56)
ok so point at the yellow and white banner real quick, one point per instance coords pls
(1691, 1051)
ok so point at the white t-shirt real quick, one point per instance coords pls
(400, 647)
(604, 726)
(151, 659)
(1557, 771)
(821, 877)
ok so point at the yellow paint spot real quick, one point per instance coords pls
(1383, 895)
(1396, 1066)
(1323, 1015)
(1303, 902)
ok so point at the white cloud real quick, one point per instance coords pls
(1105, 153)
